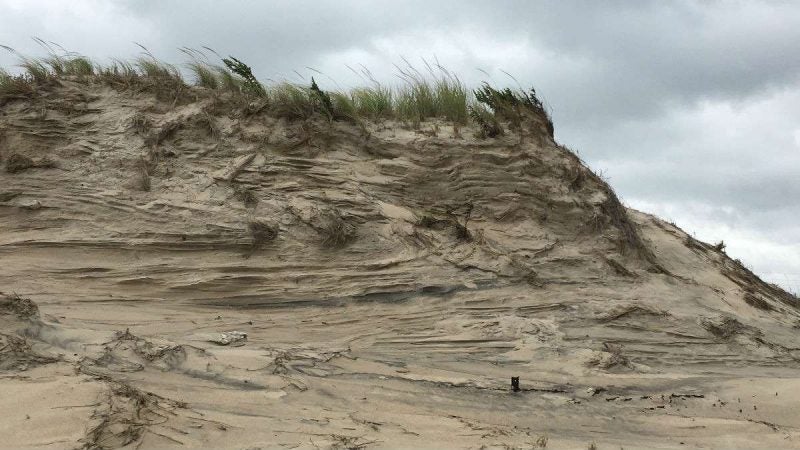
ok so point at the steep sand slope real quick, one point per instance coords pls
(390, 282)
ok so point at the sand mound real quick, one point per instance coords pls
(316, 283)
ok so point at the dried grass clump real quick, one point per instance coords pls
(16, 354)
(450, 222)
(126, 414)
(611, 358)
(488, 125)
(336, 231)
(724, 328)
(22, 308)
(17, 163)
(462, 232)
(757, 302)
(261, 232)
(246, 195)
(341, 442)
(141, 124)
(13, 87)
(426, 221)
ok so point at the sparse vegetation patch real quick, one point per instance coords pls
(336, 231)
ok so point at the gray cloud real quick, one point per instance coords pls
(688, 107)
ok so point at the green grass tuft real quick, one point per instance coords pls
(205, 75)
(373, 102)
(445, 96)
(249, 83)
(15, 86)
(291, 101)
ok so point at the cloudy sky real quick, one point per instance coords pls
(690, 109)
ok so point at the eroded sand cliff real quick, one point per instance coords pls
(390, 281)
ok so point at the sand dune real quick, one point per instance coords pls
(389, 281)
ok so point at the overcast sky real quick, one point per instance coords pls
(690, 109)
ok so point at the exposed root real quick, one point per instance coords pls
(130, 353)
(341, 442)
(17, 354)
(126, 414)
(289, 361)
(140, 124)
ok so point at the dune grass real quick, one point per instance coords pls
(15, 86)
(374, 102)
(436, 93)
(439, 94)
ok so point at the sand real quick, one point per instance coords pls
(206, 278)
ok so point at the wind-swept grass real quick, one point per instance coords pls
(227, 80)
(488, 125)
(119, 73)
(150, 67)
(15, 86)
(373, 102)
(512, 105)
(451, 99)
(434, 93)
(162, 78)
(343, 107)
(58, 62)
(68, 64)
(420, 98)
(205, 75)
(249, 84)
(291, 101)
